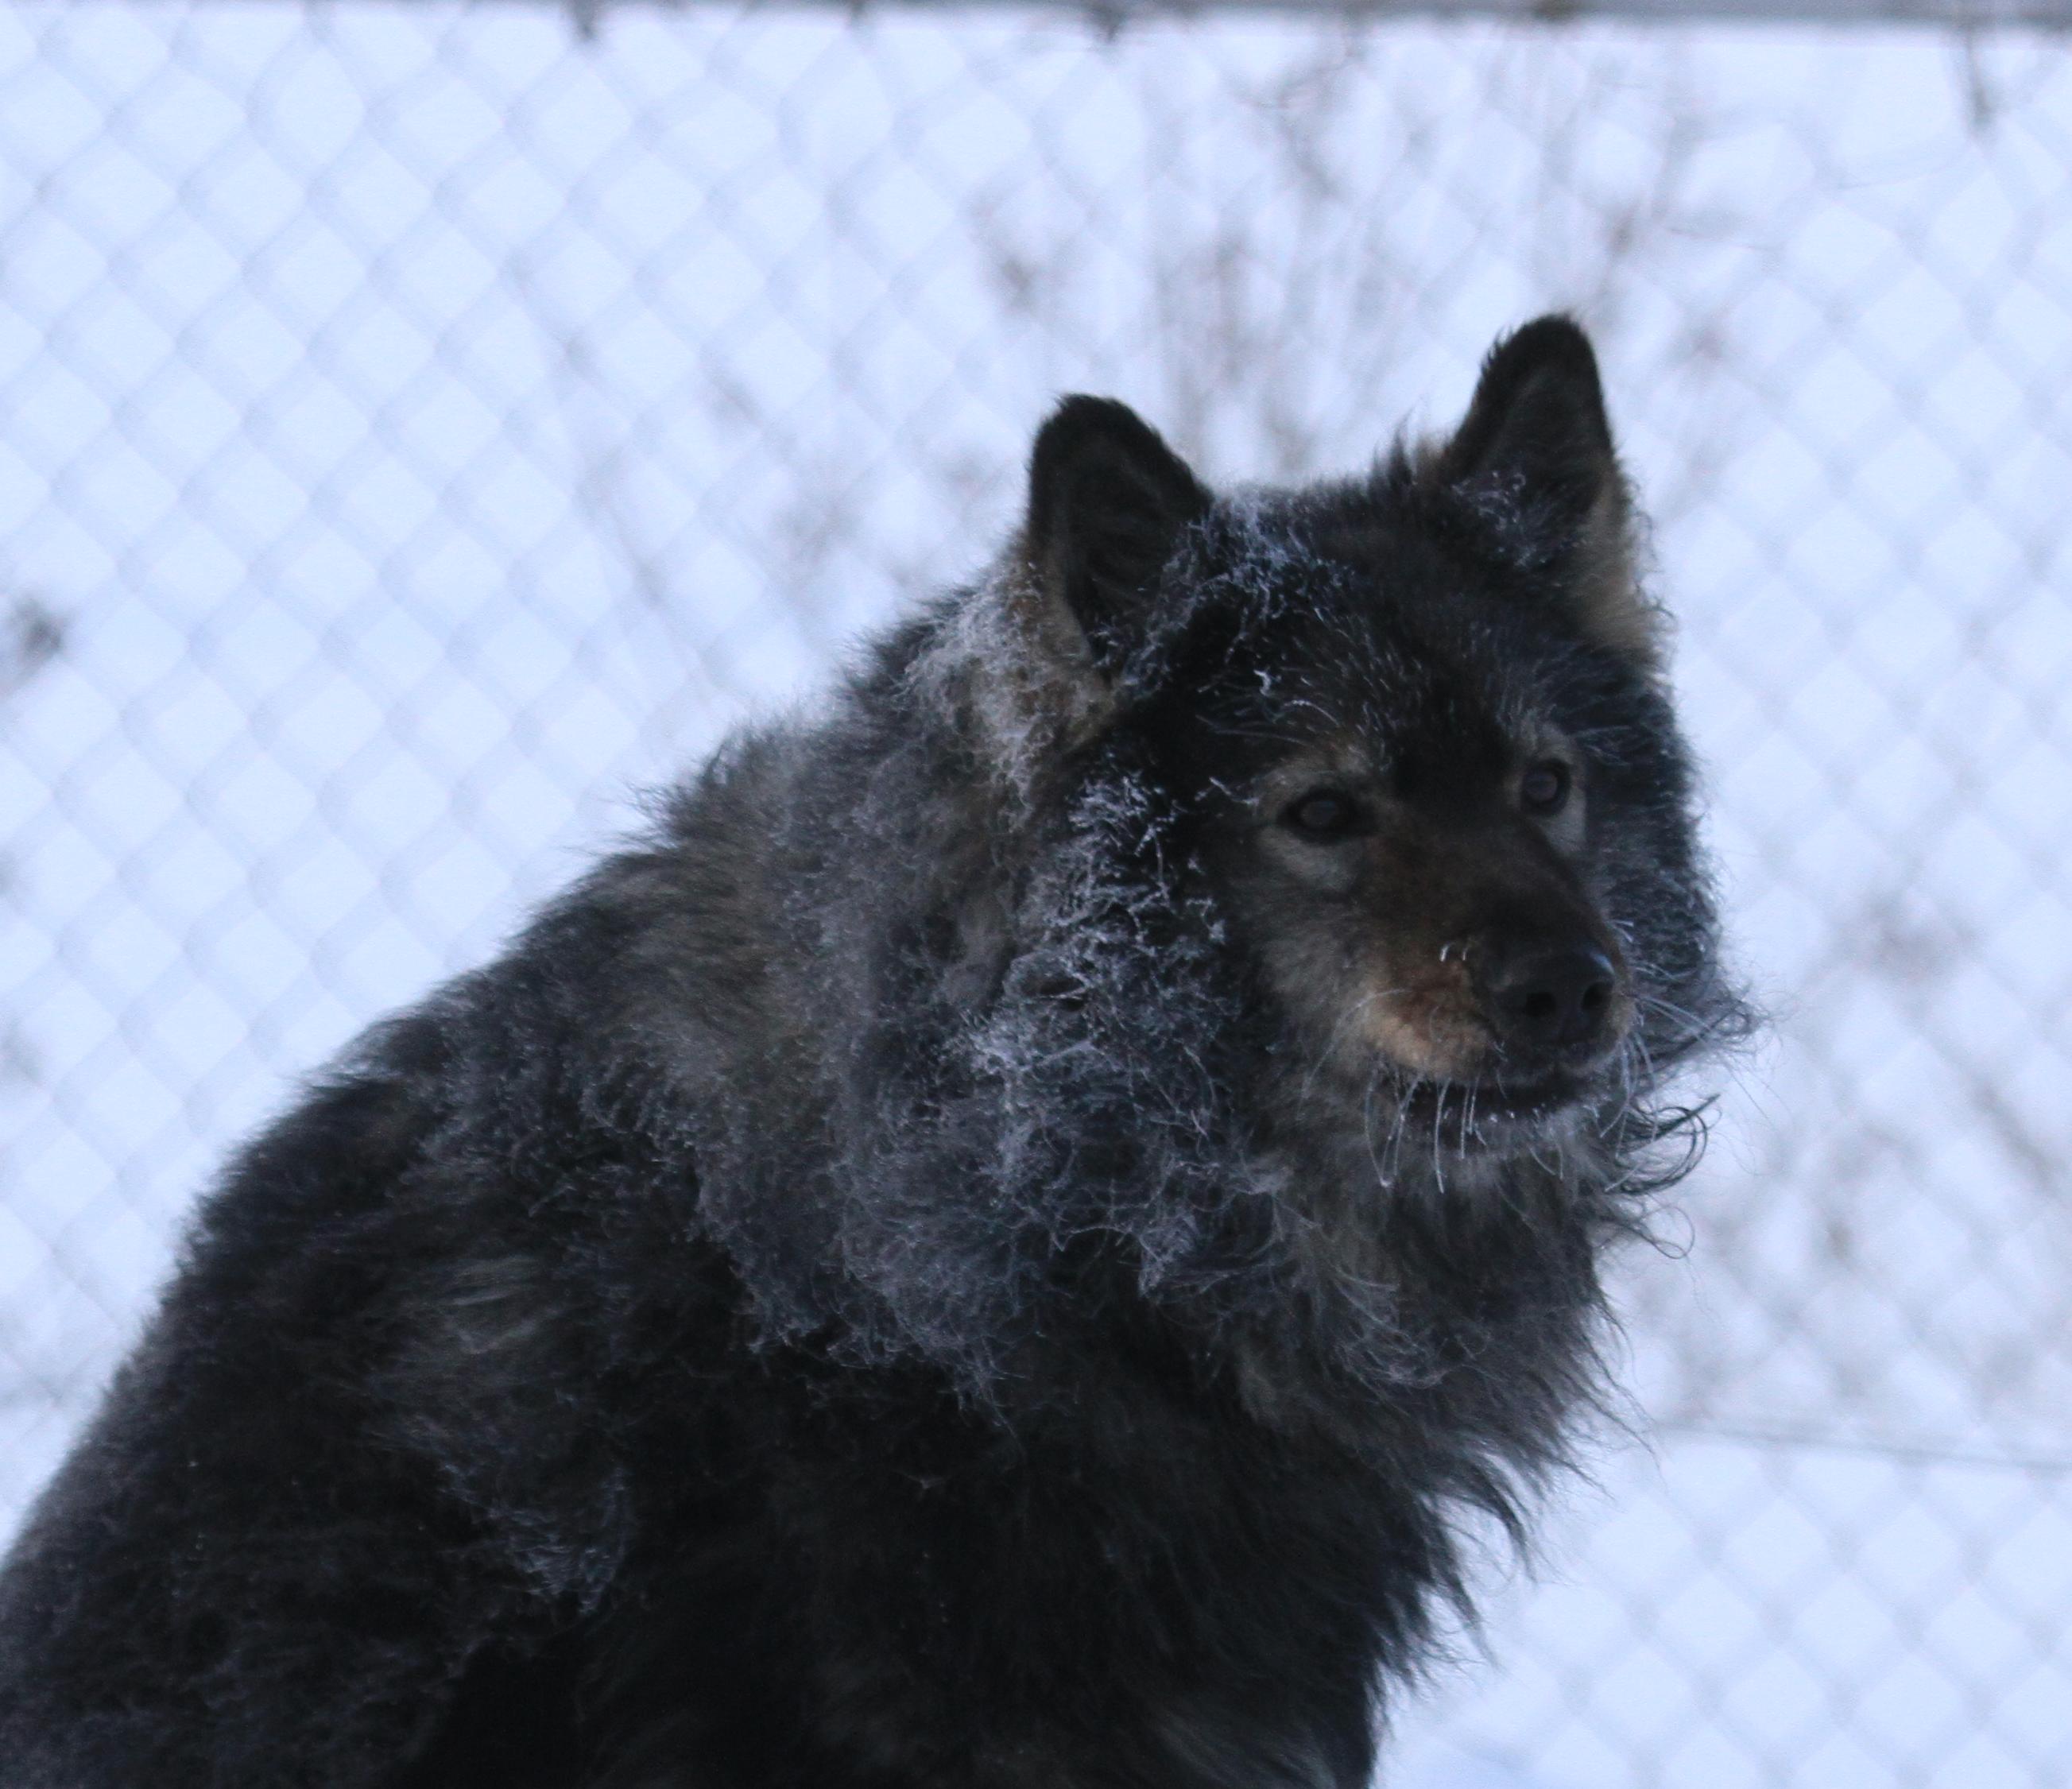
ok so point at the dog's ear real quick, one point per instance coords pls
(1536, 449)
(1107, 501)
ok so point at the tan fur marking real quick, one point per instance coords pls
(1611, 606)
(1429, 1030)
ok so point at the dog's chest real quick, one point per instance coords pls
(1177, 1578)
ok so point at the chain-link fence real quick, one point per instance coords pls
(420, 426)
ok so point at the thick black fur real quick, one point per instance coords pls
(935, 1268)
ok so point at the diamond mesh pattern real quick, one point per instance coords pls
(423, 427)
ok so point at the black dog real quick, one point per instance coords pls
(995, 1250)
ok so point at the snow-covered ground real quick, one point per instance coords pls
(427, 430)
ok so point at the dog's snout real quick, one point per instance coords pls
(1547, 999)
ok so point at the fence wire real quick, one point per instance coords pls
(421, 426)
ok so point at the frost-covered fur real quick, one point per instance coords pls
(996, 1248)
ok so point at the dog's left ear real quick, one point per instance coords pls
(1108, 502)
(1536, 447)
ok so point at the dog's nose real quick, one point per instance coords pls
(1551, 999)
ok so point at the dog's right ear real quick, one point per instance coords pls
(1108, 502)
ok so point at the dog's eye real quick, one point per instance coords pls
(1323, 814)
(1542, 792)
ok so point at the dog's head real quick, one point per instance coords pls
(1417, 727)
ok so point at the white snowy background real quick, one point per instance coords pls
(421, 428)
